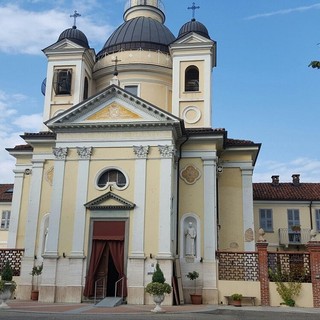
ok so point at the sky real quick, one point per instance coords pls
(263, 89)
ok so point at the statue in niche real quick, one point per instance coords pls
(190, 242)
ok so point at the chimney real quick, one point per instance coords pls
(275, 180)
(296, 179)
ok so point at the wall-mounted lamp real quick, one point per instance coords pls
(150, 255)
(64, 254)
(201, 259)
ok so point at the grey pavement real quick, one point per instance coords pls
(57, 311)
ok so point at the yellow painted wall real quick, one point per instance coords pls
(230, 209)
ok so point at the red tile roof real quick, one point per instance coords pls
(5, 194)
(286, 191)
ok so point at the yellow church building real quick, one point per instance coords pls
(128, 169)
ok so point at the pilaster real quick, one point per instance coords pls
(84, 154)
(247, 209)
(15, 208)
(33, 208)
(166, 171)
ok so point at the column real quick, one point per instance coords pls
(139, 198)
(15, 208)
(79, 222)
(314, 250)
(47, 290)
(209, 290)
(262, 247)
(165, 210)
(247, 209)
(210, 208)
(56, 203)
(33, 208)
(136, 261)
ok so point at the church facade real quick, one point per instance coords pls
(128, 169)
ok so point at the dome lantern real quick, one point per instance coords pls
(144, 8)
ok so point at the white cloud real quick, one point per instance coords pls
(11, 127)
(30, 123)
(31, 31)
(285, 11)
(309, 170)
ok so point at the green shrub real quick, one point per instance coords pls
(7, 272)
(158, 275)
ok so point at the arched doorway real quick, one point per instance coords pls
(106, 264)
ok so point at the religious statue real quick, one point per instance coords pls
(191, 235)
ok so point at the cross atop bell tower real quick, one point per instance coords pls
(75, 15)
(193, 8)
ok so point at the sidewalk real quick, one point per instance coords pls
(87, 308)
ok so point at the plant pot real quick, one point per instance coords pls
(5, 295)
(158, 299)
(196, 298)
(236, 303)
(35, 295)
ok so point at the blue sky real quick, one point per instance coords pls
(263, 89)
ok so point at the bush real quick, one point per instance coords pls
(7, 272)
(158, 275)
(288, 287)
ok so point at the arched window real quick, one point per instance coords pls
(85, 88)
(192, 79)
(112, 177)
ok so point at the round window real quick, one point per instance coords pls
(113, 177)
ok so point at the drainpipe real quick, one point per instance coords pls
(310, 212)
(178, 192)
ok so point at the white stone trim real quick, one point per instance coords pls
(247, 207)
(210, 208)
(164, 242)
(80, 210)
(33, 208)
(15, 208)
(138, 217)
(56, 203)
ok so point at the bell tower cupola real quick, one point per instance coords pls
(144, 8)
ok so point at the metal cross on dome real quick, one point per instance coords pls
(193, 8)
(75, 16)
(116, 60)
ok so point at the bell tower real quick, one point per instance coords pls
(69, 71)
(194, 56)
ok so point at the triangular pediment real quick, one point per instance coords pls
(192, 37)
(109, 201)
(113, 108)
(64, 44)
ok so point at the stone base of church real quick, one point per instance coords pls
(136, 295)
(23, 292)
(69, 294)
(210, 296)
(47, 294)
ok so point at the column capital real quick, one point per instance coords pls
(84, 152)
(60, 153)
(141, 151)
(166, 151)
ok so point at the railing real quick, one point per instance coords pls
(289, 237)
(99, 284)
(116, 287)
(14, 257)
(239, 266)
(156, 3)
(291, 265)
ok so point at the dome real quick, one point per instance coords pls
(194, 26)
(141, 32)
(75, 35)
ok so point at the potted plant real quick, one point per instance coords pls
(158, 288)
(7, 285)
(236, 299)
(195, 298)
(35, 272)
(296, 228)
